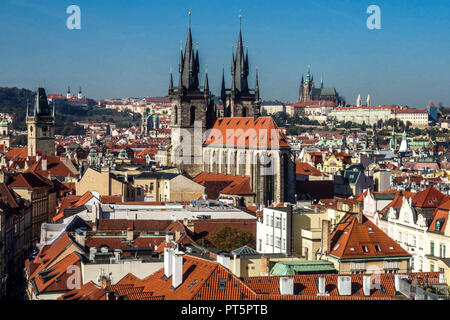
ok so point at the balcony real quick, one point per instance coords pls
(313, 234)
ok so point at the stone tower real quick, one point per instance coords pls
(240, 101)
(192, 112)
(41, 126)
(4, 133)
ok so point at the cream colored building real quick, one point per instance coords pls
(105, 183)
(166, 186)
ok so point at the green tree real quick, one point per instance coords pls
(21, 140)
(227, 238)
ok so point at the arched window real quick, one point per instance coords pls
(192, 115)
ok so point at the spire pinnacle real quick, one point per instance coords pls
(189, 13)
(240, 19)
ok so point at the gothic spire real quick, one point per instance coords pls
(189, 64)
(41, 107)
(240, 64)
(223, 93)
(256, 86)
(206, 86)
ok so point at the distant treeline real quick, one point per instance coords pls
(14, 102)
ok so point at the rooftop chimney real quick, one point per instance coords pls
(367, 281)
(321, 287)
(286, 285)
(345, 285)
(177, 269)
(224, 260)
(326, 241)
(168, 253)
(169, 237)
(44, 164)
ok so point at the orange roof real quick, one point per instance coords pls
(441, 217)
(428, 198)
(353, 240)
(17, 153)
(89, 291)
(246, 131)
(306, 169)
(219, 183)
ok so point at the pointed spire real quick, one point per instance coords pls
(358, 100)
(223, 93)
(206, 86)
(256, 86)
(368, 100)
(41, 107)
(53, 111)
(28, 113)
(189, 64)
(321, 81)
(171, 81)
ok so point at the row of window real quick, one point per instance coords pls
(279, 243)
(280, 224)
(442, 249)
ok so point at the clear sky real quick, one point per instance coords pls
(125, 47)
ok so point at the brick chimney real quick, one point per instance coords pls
(326, 240)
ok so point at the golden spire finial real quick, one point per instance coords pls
(240, 19)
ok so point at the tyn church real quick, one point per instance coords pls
(258, 150)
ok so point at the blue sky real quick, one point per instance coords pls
(126, 47)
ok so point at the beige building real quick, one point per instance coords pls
(105, 183)
(166, 186)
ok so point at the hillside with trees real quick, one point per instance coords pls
(14, 102)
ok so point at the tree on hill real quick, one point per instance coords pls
(227, 238)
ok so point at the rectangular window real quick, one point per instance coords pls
(271, 240)
(432, 248)
(277, 242)
(284, 223)
(267, 239)
(284, 244)
(278, 222)
(431, 267)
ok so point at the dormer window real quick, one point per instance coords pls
(365, 249)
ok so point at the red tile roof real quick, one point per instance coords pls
(219, 183)
(428, 198)
(260, 132)
(306, 169)
(349, 237)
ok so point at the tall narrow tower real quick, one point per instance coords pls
(192, 112)
(41, 126)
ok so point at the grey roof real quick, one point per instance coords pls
(384, 196)
(324, 91)
(245, 250)
(160, 175)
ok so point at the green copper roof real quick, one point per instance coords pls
(4, 123)
(289, 268)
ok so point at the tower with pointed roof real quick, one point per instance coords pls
(240, 100)
(192, 107)
(308, 91)
(41, 126)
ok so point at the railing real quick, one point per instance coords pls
(417, 293)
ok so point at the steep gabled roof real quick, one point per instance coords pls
(428, 198)
(353, 240)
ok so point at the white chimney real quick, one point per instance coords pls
(286, 285)
(177, 269)
(224, 260)
(44, 164)
(345, 285)
(366, 285)
(321, 287)
(169, 237)
(168, 253)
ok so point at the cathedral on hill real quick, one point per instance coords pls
(238, 144)
(309, 92)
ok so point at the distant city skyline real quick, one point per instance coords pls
(127, 50)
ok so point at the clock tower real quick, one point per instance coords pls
(41, 126)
